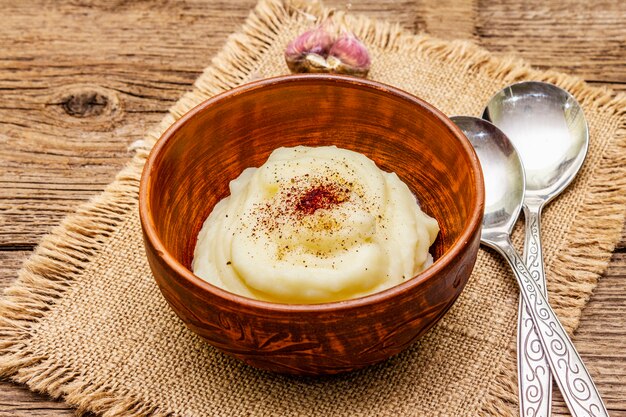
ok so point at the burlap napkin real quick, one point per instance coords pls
(85, 321)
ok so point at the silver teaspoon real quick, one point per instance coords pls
(548, 128)
(504, 193)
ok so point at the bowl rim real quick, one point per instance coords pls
(201, 285)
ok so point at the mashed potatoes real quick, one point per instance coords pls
(314, 225)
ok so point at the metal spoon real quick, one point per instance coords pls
(504, 192)
(548, 128)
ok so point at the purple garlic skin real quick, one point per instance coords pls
(318, 50)
(348, 55)
(317, 41)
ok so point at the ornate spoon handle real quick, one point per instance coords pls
(535, 379)
(579, 391)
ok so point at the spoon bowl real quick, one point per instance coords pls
(503, 174)
(548, 128)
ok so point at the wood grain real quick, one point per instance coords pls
(146, 54)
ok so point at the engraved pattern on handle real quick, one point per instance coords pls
(580, 393)
(534, 377)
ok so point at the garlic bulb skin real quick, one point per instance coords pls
(309, 48)
(320, 50)
(348, 55)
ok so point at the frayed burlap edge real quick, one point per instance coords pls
(64, 253)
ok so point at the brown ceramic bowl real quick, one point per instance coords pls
(190, 167)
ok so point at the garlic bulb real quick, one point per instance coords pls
(316, 43)
(318, 50)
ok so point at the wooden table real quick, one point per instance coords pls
(82, 79)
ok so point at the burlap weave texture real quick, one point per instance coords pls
(86, 321)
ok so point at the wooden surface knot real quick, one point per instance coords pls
(84, 104)
(90, 104)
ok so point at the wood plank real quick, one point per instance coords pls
(572, 36)
(601, 339)
(10, 262)
(68, 113)
(18, 401)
